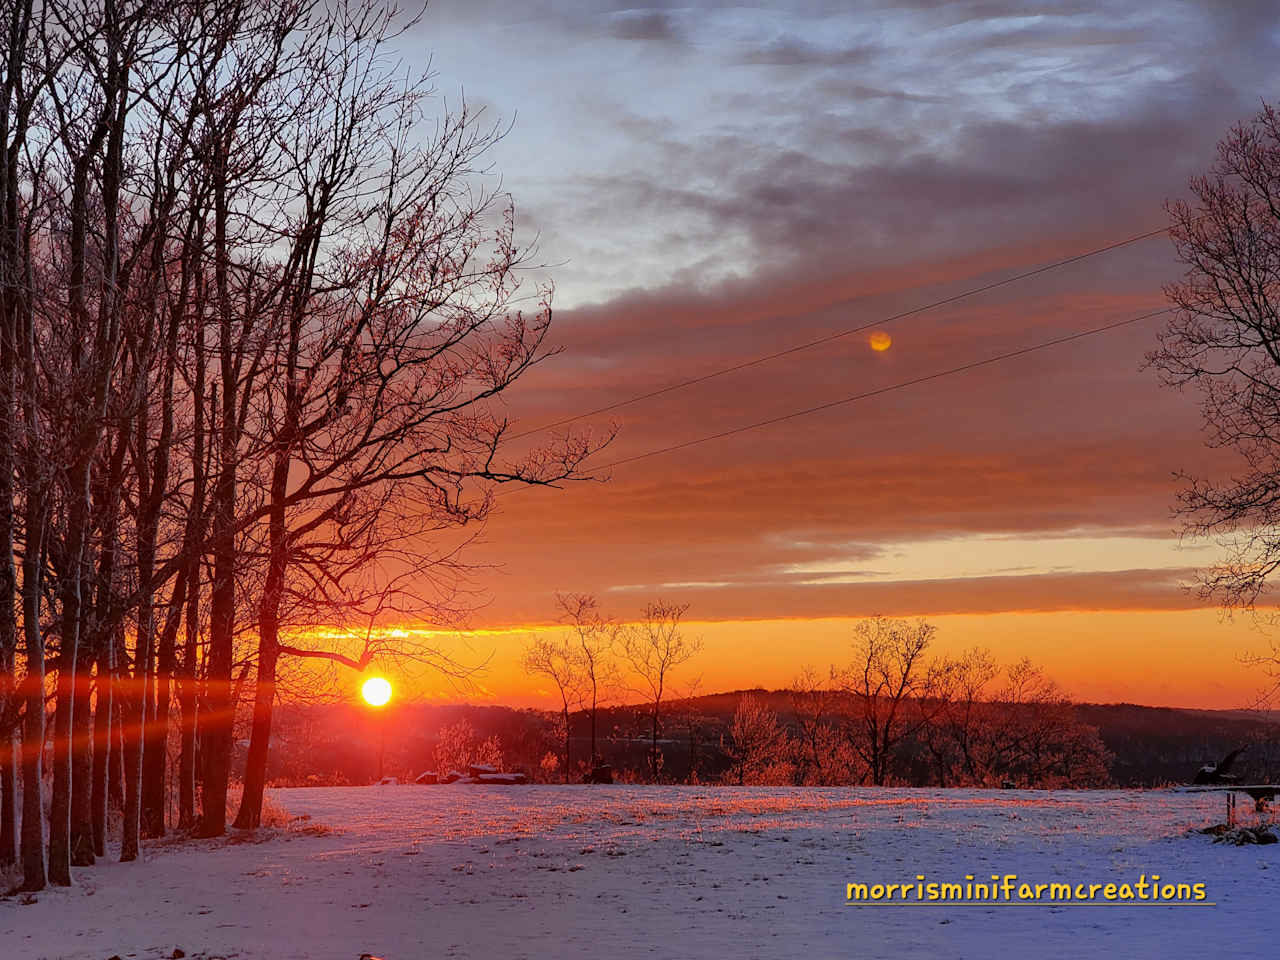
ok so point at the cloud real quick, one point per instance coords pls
(1134, 590)
(801, 133)
(646, 25)
(777, 175)
(790, 51)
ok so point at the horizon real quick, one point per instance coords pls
(762, 652)
(640, 705)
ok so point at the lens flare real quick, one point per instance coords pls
(376, 691)
(880, 341)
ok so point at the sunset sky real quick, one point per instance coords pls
(711, 183)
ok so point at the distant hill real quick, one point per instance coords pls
(1154, 745)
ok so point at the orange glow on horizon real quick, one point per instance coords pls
(880, 341)
(1097, 656)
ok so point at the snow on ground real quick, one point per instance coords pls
(412, 872)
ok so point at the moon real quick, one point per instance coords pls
(880, 341)
(376, 691)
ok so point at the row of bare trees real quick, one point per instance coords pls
(597, 659)
(893, 708)
(972, 722)
(256, 310)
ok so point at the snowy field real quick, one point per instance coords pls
(671, 872)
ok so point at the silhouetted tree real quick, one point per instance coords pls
(1025, 731)
(653, 648)
(888, 672)
(397, 330)
(594, 637)
(557, 659)
(956, 724)
(1224, 340)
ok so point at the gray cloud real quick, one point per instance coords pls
(789, 51)
(646, 25)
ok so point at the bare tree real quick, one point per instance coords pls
(1036, 738)
(18, 98)
(823, 757)
(693, 722)
(594, 637)
(458, 746)
(953, 735)
(653, 647)
(887, 673)
(1024, 732)
(1224, 340)
(557, 659)
(756, 744)
(398, 329)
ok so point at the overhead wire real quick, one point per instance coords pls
(880, 391)
(840, 334)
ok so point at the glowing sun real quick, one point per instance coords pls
(376, 691)
(880, 341)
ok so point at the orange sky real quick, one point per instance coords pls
(712, 184)
(1025, 508)
(1160, 658)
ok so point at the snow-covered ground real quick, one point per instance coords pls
(671, 872)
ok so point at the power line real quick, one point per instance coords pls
(1057, 341)
(828, 338)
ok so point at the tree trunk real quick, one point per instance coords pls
(188, 700)
(595, 758)
(155, 731)
(106, 648)
(135, 700)
(249, 815)
(115, 758)
(693, 750)
(131, 708)
(8, 799)
(82, 761)
(217, 724)
(12, 305)
(255, 775)
(83, 744)
(653, 753)
(103, 712)
(188, 689)
(156, 702)
(156, 753)
(68, 656)
(567, 739)
(8, 592)
(33, 863)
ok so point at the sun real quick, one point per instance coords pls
(880, 341)
(376, 691)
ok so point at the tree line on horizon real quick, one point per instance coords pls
(966, 719)
(258, 308)
(337, 744)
